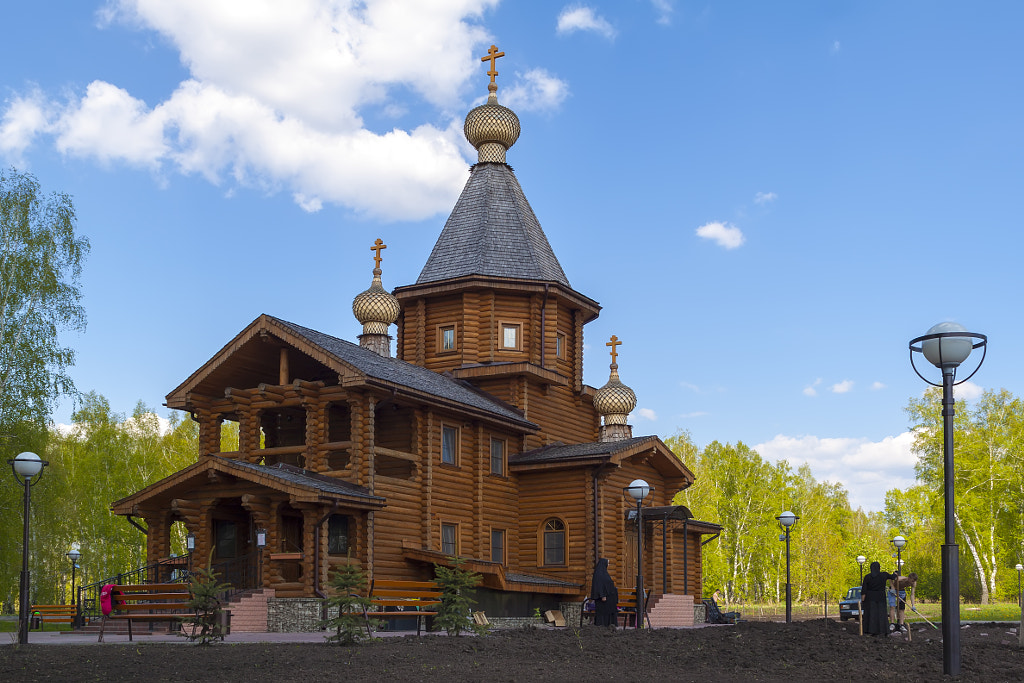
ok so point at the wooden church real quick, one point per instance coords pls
(479, 438)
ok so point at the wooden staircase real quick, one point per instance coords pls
(670, 610)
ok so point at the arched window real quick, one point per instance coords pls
(554, 542)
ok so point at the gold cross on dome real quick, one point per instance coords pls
(377, 246)
(613, 343)
(492, 55)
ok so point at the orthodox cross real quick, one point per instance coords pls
(377, 246)
(613, 343)
(492, 55)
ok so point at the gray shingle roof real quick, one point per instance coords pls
(319, 482)
(493, 232)
(401, 373)
(558, 452)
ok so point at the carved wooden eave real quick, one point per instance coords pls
(218, 475)
(649, 449)
(409, 293)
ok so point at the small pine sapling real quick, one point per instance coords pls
(455, 612)
(204, 601)
(348, 622)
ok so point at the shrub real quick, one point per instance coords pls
(349, 622)
(456, 583)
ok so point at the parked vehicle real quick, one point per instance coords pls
(849, 607)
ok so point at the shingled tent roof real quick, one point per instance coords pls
(493, 232)
(559, 455)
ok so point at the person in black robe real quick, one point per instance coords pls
(873, 603)
(605, 596)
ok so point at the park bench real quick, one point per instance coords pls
(626, 607)
(147, 602)
(714, 615)
(394, 599)
(54, 614)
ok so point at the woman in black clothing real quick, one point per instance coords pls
(605, 595)
(873, 604)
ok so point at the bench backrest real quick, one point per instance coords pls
(150, 596)
(395, 593)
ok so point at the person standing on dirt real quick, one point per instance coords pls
(872, 601)
(899, 594)
(605, 595)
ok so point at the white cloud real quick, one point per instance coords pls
(968, 391)
(724, 234)
(835, 47)
(23, 120)
(875, 386)
(765, 197)
(647, 414)
(865, 468)
(536, 90)
(664, 9)
(276, 98)
(812, 389)
(77, 429)
(581, 18)
(842, 387)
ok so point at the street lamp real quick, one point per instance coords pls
(639, 489)
(1020, 568)
(28, 469)
(73, 555)
(190, 546)
(787, 519)
(899, 543)
(261, 543)
(946, 346)
(861, 560)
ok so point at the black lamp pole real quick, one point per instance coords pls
(946, 346)
(25, 467)
(788, 519)
(639, 489)
(861, 560)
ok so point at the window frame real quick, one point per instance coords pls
(560, 341)
(454, 462)
(440, 330)
(348, 533)
(501, 554)
(543, 544)
(502, 325)
(454, 526)
(501, 471)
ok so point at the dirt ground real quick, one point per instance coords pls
(803, 651)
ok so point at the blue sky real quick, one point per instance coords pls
(768, 199)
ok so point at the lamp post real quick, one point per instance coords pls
(787, 519)
(1020, 568)
(899, 543)
(946, 346)
(261, 543)
(639, 489)
(28, 469)
(190, 545)
(861, 560)
(73, 555)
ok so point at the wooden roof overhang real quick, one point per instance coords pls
(647, 448)
(493, 573)
(489, 370)
(573, 299)
(677, 514)
(222, 477)
(251, 360)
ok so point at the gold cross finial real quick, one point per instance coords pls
(377, 246)
(613, 343)
(492, 55)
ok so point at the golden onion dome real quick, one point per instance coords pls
(492, 129)
(614, 401)
(376, 308)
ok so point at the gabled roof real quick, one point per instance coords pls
(357, 365)
(558, 455)
(493, 232)
(299, 484)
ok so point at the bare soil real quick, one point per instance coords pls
(803, 651)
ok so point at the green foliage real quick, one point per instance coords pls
(106, 456)
(40, 268)
(346, 607)
(204, 601)
(455, 613)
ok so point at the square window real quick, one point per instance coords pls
(446, 338)
(449, 539)
(510, 336)
(449, 445)
(497, 456)
(498, 545)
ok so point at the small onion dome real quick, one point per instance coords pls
(376, 308)
(491, 128)
(614, 401)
